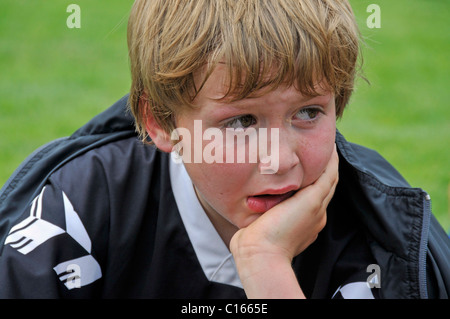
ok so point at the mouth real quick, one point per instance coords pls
(264, 202)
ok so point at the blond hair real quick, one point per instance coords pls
(306, 41)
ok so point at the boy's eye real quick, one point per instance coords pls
(244, 121)
(308, 114)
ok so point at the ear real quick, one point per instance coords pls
(158, 135)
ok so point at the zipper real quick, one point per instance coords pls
(423, 248)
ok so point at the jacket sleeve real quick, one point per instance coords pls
(438, 262)
(48, 252)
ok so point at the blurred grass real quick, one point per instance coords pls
(404, 113)
(54, 79)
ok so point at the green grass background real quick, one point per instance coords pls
(54, 79)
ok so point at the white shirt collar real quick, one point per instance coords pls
(215, 258)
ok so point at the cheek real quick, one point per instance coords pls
(315, 155)
(220, 187)
(219, 182)
(218, 174)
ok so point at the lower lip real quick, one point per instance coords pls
(261, 204)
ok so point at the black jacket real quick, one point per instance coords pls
(120, 192)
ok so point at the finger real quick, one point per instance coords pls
(322, 190)
(330, 195)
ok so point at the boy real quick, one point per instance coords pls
(100, 214)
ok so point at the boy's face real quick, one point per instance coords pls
(230, 191)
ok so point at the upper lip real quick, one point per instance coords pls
(278, 191)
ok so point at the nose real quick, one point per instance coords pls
(283, 155)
